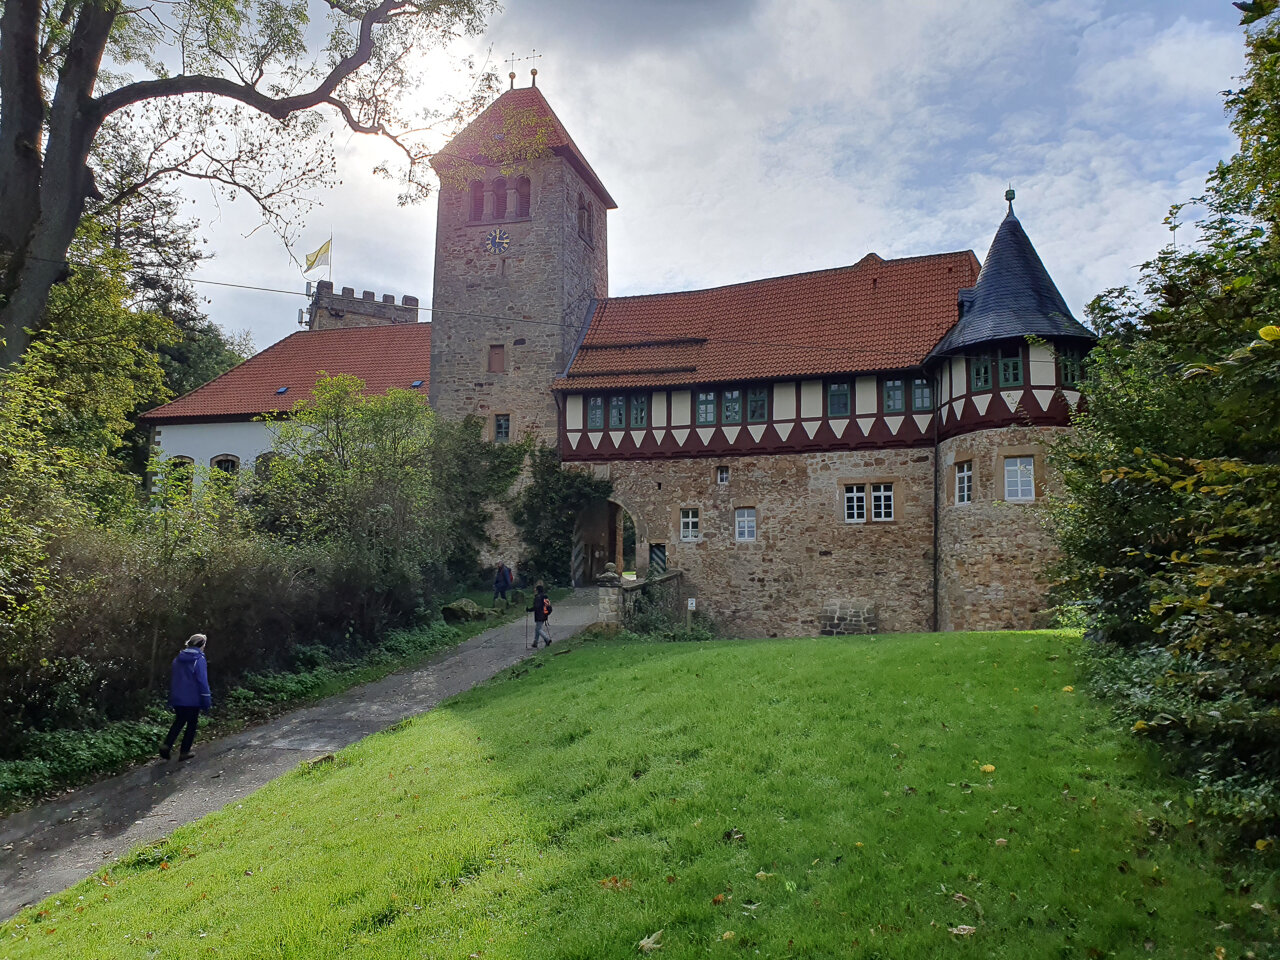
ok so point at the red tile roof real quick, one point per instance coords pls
(875, 315)
(383, 357)
(519, 107)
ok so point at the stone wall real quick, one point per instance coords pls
(993, 552)
(806, 559)
(329, 310)
(531, 300)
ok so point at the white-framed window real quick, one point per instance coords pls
(964, 482)
(882, 501)
(855, 503)
(744, 523)
(722, 474)
(1019, 478)
(689, 527)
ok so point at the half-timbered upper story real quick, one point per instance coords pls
(883, 353)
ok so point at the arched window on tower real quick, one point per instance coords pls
(591, 216)
(477, 200)
(522, 197)
(582, 216)
(500, 198)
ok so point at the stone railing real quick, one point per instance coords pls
(617, 602)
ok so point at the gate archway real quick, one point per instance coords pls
(601, 536)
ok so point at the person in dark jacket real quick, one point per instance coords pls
(541, 611)
(188, 695)
(502, 580)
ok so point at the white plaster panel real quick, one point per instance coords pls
(811, 398)
(659, 407)
(681, 405)
(204, 441)
(573, 411)
(864, 395)
(945, 388)
(958, 382)
(784, 400)
(1041, 364)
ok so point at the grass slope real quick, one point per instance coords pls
(809, 798)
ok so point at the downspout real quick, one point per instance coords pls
(937, 470)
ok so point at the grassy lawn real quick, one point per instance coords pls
(813, 798)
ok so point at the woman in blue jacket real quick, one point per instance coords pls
(188, 695)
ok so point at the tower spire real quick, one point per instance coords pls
(1009, 195)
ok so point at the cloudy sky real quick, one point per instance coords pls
(752, 138)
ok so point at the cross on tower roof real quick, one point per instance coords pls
(533, 72)
(511, 63)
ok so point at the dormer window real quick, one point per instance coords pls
(476, 200)
(522, 197)
(500, 199)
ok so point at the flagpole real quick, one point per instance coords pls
(331, 255)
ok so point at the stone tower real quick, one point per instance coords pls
(521, 255)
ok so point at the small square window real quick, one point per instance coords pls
(501, 427)
(744, 523)
(640, 411)
(882, 501)
(980, 373)
(617, 413)
(838, 400)
(497, 358)
(757, 404)
(1019, 478)
(895, 396)
(1011, 368)
(722, 474)
(964, 482)
(595, 413)
(689, 529)
(855, 503)
(731, 406)
(706, 407)
(921, 395)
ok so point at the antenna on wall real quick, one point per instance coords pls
(301, 322)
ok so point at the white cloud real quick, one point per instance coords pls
(754, 140)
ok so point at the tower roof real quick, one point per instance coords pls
(1014, 296)
(524, 106)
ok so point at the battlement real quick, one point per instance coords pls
(329, 310)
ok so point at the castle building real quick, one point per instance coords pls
(856, 449)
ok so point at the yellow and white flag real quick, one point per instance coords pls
(320, 258)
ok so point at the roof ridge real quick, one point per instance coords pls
(858, 265)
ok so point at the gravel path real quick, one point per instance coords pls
(47, 848)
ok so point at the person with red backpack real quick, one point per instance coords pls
(541, 611)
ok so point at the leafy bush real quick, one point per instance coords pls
(546, 512)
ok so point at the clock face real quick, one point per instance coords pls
(497, 241)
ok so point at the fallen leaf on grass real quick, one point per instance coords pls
(988, 768)
(671, 878)
(1068, 689)
(1002, 842)
(717, 899)
(964, 930)
(613, 883)
(728, 935)
(650, 943)
(765, 876)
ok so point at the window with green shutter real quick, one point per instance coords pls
(617, 413)
(921, 395)
(980, 373)
(1011, 368)
(706, 407)
(595, 413)
(838, 400)
(731, 406)
(895, 396)
(640, 410)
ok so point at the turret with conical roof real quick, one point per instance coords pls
(1014, 297)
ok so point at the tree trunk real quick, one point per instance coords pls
(63, 182)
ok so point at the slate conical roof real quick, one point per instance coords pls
(1014, 296)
